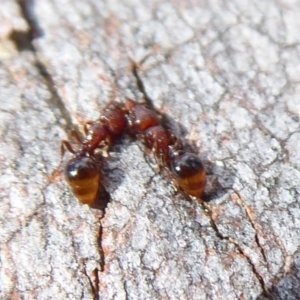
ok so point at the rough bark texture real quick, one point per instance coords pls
(226, 75)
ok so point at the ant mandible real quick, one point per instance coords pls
(83, 172)
(186, 168)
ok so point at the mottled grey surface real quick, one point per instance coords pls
(226, 76)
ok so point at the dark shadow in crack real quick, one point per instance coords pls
(21, 40)
(27, 9)
(113, 174)
(102, 200)
(286, 287)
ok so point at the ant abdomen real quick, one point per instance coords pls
(83, 175)
(189, 173)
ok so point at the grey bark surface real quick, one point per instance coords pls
(226, 76)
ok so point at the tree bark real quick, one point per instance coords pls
(224, 77)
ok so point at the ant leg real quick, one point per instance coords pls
(179, 144)
(75, 134)
(157, 157)
(170, 176)
(106, 147)
(66, 145)
(111, 104)
(103, 149)
(175, 141)
(141, 137)
(87, 126)
(129, 104)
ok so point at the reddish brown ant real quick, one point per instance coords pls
(186, 168)
(83, 172)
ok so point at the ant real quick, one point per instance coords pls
(185, 168)
(83, 172)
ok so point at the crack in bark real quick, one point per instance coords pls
(205, 208)
(23, 38)
(125, 290)
(254, 270)
(27, 9)
(164, 121)
(234, 242)
(252, 222)
(56, 99)
(143, 91)
(99, 242)
(94, 285)
(26, 39)
(140, 84)
(29, 218)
